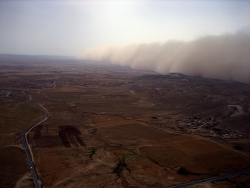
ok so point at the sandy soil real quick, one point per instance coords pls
(111, 126)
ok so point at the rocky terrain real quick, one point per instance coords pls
(110, 126)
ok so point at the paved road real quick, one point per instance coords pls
(37, 183)
(244, 170)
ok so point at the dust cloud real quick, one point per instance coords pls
(225, 57)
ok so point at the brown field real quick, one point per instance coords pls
(110, 126)
(13, 165)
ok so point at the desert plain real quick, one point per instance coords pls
(110, 126)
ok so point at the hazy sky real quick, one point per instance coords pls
(70, 27)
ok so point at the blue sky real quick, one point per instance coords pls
(70, 27)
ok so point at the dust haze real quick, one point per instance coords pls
(225, 57)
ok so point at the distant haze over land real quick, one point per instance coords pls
(225, 57)
(199, 38)
(66, 28)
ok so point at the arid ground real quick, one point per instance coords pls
(110, 126)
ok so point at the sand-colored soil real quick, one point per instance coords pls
(110, 126)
